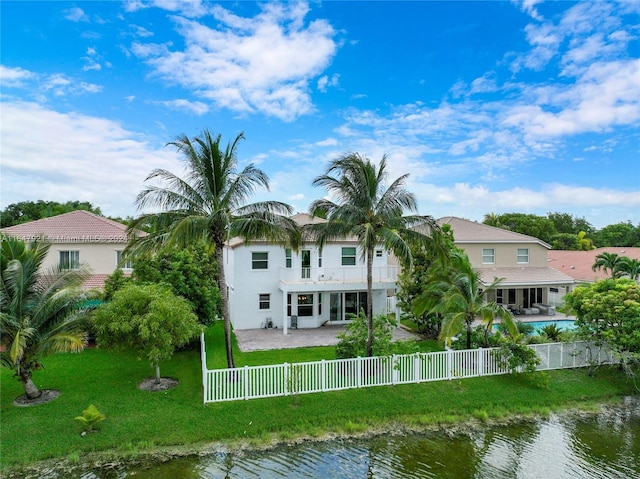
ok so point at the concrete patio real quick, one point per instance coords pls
(265, 339)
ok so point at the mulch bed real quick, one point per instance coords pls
(46, 396)
(150, 384)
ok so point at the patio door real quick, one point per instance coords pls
(335, 307)
(305, 256)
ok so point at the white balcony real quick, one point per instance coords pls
(341, 275)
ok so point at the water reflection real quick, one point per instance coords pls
(606, 445)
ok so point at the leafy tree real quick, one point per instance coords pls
(460, 299)
(25, 211)
(371, 212)
(629, 268)
(42, 312)
(569, 224)
(210, 205)
(532, 225)
(609, 311)
(492, 219)
(607, 262)
(148, 318)
(619, 234)
(190, 272)
(564, 241)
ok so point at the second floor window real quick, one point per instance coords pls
(349, 256)
(523, 255)
(69, 259)
(260, 260)
(121, 262)
(488, 256)
(287, 256)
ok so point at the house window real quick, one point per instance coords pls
(320, 259)
(69, 260)
(287, 255)
(348, 256)
(354, 302)
(259, 260)
(264, 301)
(319, 304)
(512, 296)
(121, 262)
(305, 305)
(523, 255)
(288, 304)
(499, 297)
(488, 255)
(378, 253)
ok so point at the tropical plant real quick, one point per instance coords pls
(551, 331)
(372, 212)
(210, 205)
(42, 311)
(90, 418)
(607, 262)
(353, 340)
(148, 318)
(461, 298)
(629, 268)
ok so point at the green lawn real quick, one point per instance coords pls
(138, 420)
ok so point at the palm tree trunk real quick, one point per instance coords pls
(222, 286)
(370, 301)
(30, 389)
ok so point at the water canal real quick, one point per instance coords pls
(605, 445)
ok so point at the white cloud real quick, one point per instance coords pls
(326, 81)
(76, 157)
(196, 107)
(529, 6)
(261, 64)
(327, 142)
(76, 14)
(14, 77)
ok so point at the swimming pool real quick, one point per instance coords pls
(564, 324)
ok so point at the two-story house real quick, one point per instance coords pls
(273, 286)
(76, 238)
(529, 284)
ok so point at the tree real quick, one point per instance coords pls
(42, 312)
(569, 224)
(373, 213)
(210, 205)
(148, 318)
(190, 272)
(532, 225)
(460, 299)
(609, 311)
(619, 234)
(629, 268)
(25, 211)
(607, 262)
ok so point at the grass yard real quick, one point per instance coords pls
(138, 421)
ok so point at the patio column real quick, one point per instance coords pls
(285, 321)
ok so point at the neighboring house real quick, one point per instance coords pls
(529, 283)
(579, 264)
(273, 286)
(76, 238)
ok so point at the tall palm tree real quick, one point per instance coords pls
(41, 312)
(365, 207)
(607, 261)
(460, 299)
(210, 204)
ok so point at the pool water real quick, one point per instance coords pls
(563, 324)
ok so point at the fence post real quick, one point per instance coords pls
(394, 370)
(286, 379)
(323, 372)
(359, 372)
(561, 356)
(417, 373)
(449, 352)
(480, 362)
(245, 379)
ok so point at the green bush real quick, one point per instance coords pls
(353, 341)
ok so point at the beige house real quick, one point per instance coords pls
(529, 286)
(76, 238)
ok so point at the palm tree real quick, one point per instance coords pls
(628, 268)
(41, 311)
(607, 261)
(372, 212)
(460, 299)
(210, 205)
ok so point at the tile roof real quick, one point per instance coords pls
(578, 264)
(75, 227)
(466, 231)
(524, 275)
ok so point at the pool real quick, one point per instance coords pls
(564, 324)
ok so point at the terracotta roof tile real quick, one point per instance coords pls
(578, 264)
(75, 227)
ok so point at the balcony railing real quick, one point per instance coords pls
(346, 274)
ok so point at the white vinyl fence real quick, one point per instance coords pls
(252, 382)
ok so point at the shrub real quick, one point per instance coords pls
(90, 418)
(353, 341)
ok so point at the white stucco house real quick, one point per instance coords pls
(76, 238)
(273, 286)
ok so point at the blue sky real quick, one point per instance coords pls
(529, 107)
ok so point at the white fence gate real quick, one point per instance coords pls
(251, 382)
